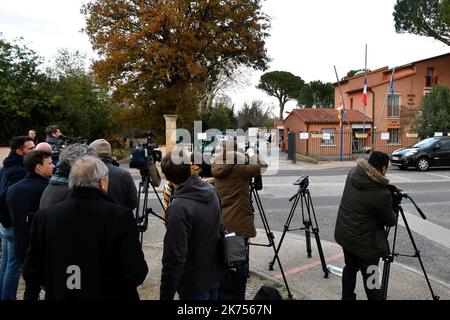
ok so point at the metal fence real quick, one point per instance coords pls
(326, 145)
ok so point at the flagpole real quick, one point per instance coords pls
(365, 80)
(385, 99)
(342, 113)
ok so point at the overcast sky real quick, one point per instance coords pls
(308, 37)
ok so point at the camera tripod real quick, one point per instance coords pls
(309, 225)
(142, 216)
(255, 185)
(390, 258)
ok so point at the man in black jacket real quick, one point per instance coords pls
(40, 167)
(86, 247)
(192, 265)
(121, 187)
(365, 209)
(12, 172)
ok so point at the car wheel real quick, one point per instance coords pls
(422, 164)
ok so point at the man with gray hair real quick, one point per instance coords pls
(58, 186)
(86, 247)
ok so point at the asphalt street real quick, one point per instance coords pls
(430, 191)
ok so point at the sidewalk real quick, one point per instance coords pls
(306, 278)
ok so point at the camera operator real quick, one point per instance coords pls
(366, 208)
(232, 182)
(54, 138)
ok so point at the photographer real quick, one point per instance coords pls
(232, 173)
(366, 208)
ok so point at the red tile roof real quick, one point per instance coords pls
(328, 116)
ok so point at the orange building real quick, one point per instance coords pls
(388, 121)
(411, 82)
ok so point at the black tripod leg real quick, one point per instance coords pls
(308, 240)
(286, 228)
(315, 229)
(417, 254)
(270, 237)
(322, 257)
(385, 278)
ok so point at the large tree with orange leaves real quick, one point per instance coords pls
(160, 55)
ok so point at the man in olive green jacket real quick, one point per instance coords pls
(365, 209)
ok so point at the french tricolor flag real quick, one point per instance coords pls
(364, 97)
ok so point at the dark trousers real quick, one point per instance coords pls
(353, 264)
(233, 285)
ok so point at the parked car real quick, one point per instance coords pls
(431, 152)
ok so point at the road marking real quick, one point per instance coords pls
(428, 229)
(438, 175)
(395, 176)
(309, 266)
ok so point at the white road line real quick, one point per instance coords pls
(391, 176)
(438, 175)
(428, 229)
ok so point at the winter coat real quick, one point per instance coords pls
(58, 187)
(22, 201)
(13, 171)
(87, 232)
(366, 207)
(232, 182)
(191, 257)
(121, 187)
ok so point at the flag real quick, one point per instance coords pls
(364, 98)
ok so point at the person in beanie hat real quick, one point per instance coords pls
(121, 185)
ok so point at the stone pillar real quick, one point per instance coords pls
(171, 131)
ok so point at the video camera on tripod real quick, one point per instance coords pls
(144, 158)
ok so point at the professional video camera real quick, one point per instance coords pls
(144, 158)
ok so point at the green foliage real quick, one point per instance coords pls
(66, 95)
(221, 117)
(282, 85)
(429, 18)
(253, 115)
(435, 112)
(316, 93)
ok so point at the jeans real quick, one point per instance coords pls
(211, 294)
(10, 267)
(353, 264)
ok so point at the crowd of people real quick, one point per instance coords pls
(69, 228)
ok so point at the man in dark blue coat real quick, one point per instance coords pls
(12, 172)
(40, 167)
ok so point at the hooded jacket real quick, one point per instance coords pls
(232, 182)
(365, 209)
(13, 171)
(191, 256)
(58, 187)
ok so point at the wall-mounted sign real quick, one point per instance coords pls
(385, 136)
(202, 136)
(304, 135)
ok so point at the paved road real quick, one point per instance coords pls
(429, 189)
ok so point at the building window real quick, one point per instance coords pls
(429, 77)
(328, 142)
(394, 106)
(394, 136)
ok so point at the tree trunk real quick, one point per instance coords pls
(281, 110)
